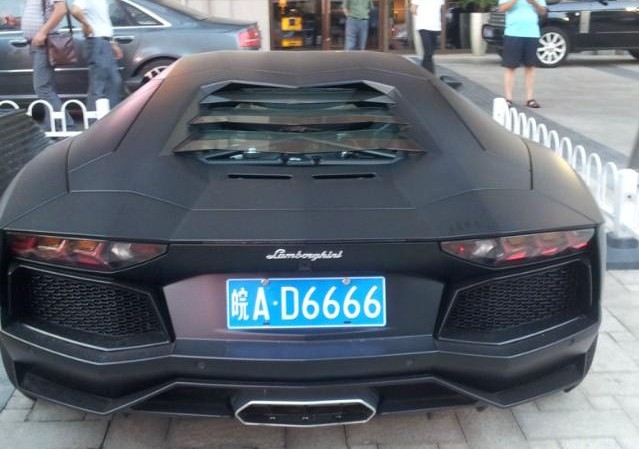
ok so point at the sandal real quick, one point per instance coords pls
(533, 104)
(509, 103)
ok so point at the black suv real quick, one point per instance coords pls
(578, 25)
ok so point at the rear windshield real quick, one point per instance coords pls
(305, 126)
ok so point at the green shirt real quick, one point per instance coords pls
(358, 9)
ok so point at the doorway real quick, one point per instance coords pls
(319, 25)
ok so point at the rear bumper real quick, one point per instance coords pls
(207, 379)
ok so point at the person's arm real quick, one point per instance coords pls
(413, 8)
(59, 11)
(506, 6)
(77, 12)
(345, 7)
(541, 9)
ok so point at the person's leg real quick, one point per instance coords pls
(434, 35)
(530, 61)
(511, 58)
(114, 79)
(91, 50)
(529, 81)
(509, 82)
(363, 34)
(427, 59)
(43, 84)
(351, 34)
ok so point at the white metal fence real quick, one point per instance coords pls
(58, 125)
(614, 189)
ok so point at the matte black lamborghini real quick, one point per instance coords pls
(297, 239)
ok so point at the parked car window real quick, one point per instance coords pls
(139, 17)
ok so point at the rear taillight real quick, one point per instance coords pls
(250, 38)
(519, 248)
(83, 253)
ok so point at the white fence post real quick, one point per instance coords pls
(616, 191)
(625, 202)
(102, 107)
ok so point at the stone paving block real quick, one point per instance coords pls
(194, 433)
(610, 384)
(628, 443)
(527, 406)
(453, 446)
(544, 444)
(14, 415)
(631, 349)
(18, 400)
(137, 431)
(574, 400)
(598, 443)
(492, 429)
(48, 411)
(604, 402)
(626, 277)
(628, 316)
(407, 429)
(333, 437)
(409, 446)
(6, 390)
(622, 337)
(609, 323)
(94, 417)
(569, 424)
(631, 406)
(610, 357)
(52, 435)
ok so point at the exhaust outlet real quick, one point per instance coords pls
(305, 413)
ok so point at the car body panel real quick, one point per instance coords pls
(124, 180)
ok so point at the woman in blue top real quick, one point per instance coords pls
(520, 44)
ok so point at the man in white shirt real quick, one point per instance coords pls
(102, 53)
(428, 21)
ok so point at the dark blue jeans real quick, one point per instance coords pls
(429, 44)
(44, 84)
(356, 34)
(104, 77)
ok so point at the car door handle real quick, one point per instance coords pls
(19, 42)
(124, 39)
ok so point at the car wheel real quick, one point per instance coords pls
(553, 47)
(153, 68)
(634, 53)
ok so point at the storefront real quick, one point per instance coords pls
(319, 24)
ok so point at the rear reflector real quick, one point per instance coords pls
(250, 38)
(84, 253)
(519, 248)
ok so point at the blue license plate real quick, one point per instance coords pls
(306, 302)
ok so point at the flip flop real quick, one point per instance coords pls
(509, 103)
(533, 104)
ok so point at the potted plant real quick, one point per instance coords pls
(479, 14)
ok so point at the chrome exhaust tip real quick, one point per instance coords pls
(305, 413)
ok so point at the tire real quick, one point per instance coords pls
(553, 47)
(634, 53)
(153, 68)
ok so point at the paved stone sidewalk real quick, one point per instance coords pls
(602, 413)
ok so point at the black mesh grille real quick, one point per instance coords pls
(84, 306)
(505, 304)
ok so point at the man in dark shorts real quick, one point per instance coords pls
(520, 44)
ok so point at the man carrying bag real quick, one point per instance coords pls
(39, 19)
